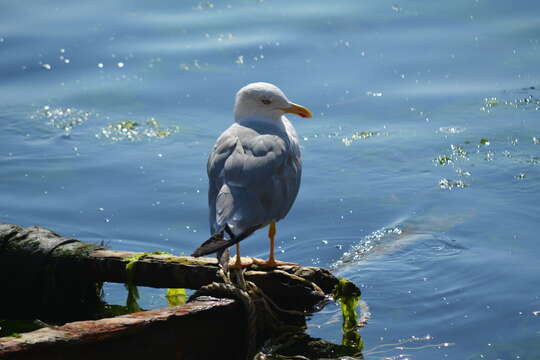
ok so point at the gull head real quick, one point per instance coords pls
(264, 101)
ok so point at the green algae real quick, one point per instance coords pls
(361, 135)
(492, 101)
(364, 134)
(176, 297)
(348, 295)
(132, 304)
(524, 102)
(443, 160)
(133, 131)
(459, 151)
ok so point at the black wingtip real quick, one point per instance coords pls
(217, 242)
(212, 245)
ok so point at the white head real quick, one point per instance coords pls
(262, 101)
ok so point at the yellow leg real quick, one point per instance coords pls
(272, 262)
(240, 262)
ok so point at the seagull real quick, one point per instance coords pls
(254, 172)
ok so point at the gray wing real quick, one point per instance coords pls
(254, 178)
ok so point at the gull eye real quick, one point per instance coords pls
(266, 102)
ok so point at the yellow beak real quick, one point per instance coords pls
(298, 110)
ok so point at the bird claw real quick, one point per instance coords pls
(244, 262)
(272, 263)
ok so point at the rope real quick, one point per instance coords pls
(229, 291)
(266, 298)
(250, 294)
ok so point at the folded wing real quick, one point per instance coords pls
(254, 179)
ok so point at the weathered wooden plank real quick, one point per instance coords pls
(54, 278)
(154, 270)
(70, 264)
(39, 246)
(206, 328)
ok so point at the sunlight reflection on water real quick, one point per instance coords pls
(412, 101)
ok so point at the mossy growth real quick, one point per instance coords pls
(348, 295)
(132, 304)
(175, 297)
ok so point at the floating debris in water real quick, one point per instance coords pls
(459, 151)
(61, 118)
(492, 101)
(489, 103)
(521, 102)
(449, 184)
(133, 131)
(361, 135)
(46, 66)
(474, 151)
(524, 102)
(443, 160)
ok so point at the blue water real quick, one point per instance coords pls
(421, 166)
